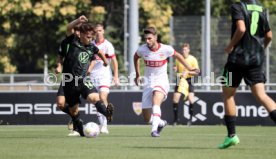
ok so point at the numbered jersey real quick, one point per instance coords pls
(250, 49)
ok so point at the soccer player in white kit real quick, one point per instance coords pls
(156, 82)
(102, 76)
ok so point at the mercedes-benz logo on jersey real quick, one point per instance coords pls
(83, 57)
(199, 115)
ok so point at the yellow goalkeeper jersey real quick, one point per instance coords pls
(191, 60)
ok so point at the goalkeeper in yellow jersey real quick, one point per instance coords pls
(184, 83)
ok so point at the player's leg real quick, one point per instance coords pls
(147, 105)
(255, 78)
(101, 82)
(104, 91)
(74, 112)
(176, 98)
(94, 98)
(107, 111)
(191, 101)
(72, 98)
(157, 123)
(60, 100)
(90, 93)
(233, 75)
(230, 117)
(181, 88)
(258, 91)
(61, 104)
(191, 107)
(147, 115)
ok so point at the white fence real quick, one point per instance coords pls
(38, 82)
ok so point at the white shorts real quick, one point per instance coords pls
(102, 82)
(148, 92)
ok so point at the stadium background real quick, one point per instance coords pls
(31, 31)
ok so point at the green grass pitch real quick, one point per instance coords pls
(134, 142)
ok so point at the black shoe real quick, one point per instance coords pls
(110, 109)
(79, 125)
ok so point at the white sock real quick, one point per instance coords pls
(161, 123)
(156, 112)
(151, 118)
(100, 118)
(104, 121)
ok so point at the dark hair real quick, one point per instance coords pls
(150, 30)
(99, 25)
(186, 45)
(76, 28)
(85, 27)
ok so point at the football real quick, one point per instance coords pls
(91, 129)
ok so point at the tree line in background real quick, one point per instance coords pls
(30, 29)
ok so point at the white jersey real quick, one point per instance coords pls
(155, 61)
(108, 50)
(102, 75)
(156, 77)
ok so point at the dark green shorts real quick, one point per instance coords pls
(234, 74)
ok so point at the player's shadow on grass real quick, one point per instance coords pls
(185, 147)
(166, 147)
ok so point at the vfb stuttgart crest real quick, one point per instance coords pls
(83, 57)
(137, 108)
(199, 115)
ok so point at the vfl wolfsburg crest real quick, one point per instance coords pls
(83, 57)
(137, 107)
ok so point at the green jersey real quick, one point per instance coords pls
(250, 49)
(77, 57)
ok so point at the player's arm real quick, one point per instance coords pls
(63, 49)
(237, 36)
(192, 73)
(102, 56)
(90, 68)
(74, 23)
(114, 63)
(59, 62)
(268, 38)
(137, 68)
(175, 68)
(195, 65)
(180, 58)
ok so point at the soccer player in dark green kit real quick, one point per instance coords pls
(78, 53)
(251, 34)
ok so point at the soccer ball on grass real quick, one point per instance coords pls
(91, 129)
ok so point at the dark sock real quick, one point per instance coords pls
(175, 111)
(230, 122)
(191, 111)
(273, 115)
(101, 107)
(66, 109)
(78, 124)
